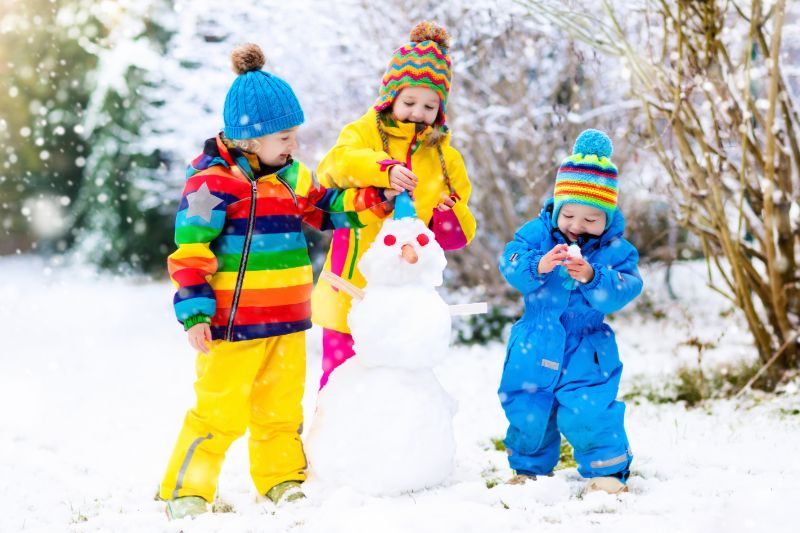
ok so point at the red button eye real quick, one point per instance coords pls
(423, 239)
(389, 240)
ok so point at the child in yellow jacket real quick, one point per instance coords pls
(243, 279)
(402, 142)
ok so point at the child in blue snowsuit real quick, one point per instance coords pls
(562, 367)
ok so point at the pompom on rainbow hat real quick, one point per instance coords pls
(588, 176)
(423, 62)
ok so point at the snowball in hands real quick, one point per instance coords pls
(574, 251)
(384, 424)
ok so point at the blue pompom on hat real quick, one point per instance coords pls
(258, 103)
(593, 142)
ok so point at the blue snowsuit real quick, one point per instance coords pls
(562, 367)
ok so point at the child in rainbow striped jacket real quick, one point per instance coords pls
(401, 142)
(244, 283)
(562, 367)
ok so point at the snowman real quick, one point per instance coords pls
(384, 424)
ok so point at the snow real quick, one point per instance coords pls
(96, 376)
(366, 416)
(404, 340)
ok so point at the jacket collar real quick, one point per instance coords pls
(216, 152)
(402, 130)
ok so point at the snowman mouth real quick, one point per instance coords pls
(409, 254)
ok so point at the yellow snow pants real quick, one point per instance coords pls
(256, 385)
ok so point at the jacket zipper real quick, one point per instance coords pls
(248, 236)
(411, 147)
(291, 191)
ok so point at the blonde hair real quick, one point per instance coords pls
(245, 145)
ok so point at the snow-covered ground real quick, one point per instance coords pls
(95, 377)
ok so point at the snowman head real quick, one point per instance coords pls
(405, 252)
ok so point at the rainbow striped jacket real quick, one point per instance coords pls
(242, 261)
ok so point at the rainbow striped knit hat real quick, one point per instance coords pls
(423, 62)
(588, 176)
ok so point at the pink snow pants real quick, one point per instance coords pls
(337, 347)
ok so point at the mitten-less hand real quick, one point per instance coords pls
(553, 258)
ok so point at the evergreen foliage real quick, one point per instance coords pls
(121, 221)
(43, 95)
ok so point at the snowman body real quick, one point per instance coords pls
(384, 424)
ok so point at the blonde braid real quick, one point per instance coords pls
(382, 133)
(444, 170)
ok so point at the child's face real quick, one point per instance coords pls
(276, 148)
(416, 104)
(576, 219)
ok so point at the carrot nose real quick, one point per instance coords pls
(409, 254)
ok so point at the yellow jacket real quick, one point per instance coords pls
(358, 160)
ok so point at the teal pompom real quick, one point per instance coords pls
(593, 142)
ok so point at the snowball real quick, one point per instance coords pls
(574, 251)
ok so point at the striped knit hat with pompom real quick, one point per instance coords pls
(423, 62)
(588, 176)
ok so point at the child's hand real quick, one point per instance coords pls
(446, 204)
(200, 336)
(579, 269)
(402, 179)
(553, 258)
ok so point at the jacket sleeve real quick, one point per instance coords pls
(353, 163)
(344, 208)
(200, 219)
(520, 259)
(614, 286)
(462, 230)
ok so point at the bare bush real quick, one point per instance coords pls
(723, 121)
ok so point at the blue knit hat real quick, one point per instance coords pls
(258, 103)
(404, 206)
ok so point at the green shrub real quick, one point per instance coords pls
(694, 385)
(566, 458)
(482, 329)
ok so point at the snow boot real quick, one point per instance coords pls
(520, 479)
(184, 506)
(285, 492)
(609, 484)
